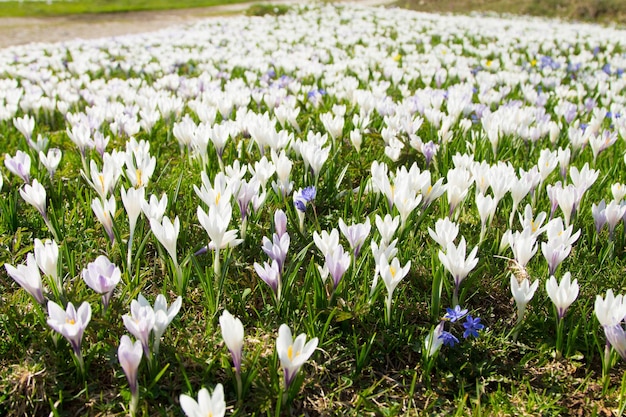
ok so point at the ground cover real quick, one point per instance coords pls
(351, 173)
(602, 11)
(63, 8)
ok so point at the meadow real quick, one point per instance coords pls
(64, 8)
(338, 210)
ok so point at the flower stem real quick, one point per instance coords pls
(559, 337)
(239, 386)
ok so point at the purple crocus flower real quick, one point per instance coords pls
(277, 248)
(102, 276)
(429, 150)
(19, 165)
(270, 274)
(356, 234)
(337, 262)
(280, 223)
(71, 323)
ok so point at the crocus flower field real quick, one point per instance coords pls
(341, 210)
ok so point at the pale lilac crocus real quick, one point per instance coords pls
(232, 333)
(19, 165)
(70, 323)
(140, 322)
(610, 312)
(599, 215)
(270, 274)
(616, 336)
(246, 191)
(280, 223)
(614, 212)
(337, 262)
(355, 234)
(555, 253)
(28, 277)
(102, 276)
(129, 355)
(293, 353)
(277, 248)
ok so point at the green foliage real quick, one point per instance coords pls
(63, 7)
(267, 9)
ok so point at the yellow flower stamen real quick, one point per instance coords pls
(393, 271)
(138, 175)
(290, 353)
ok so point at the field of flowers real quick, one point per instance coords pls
(336, 211)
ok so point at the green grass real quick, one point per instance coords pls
(605, 11)
(364, 365)
(63, 8)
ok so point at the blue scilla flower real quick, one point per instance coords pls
(448, 339)
(472, 326)
(304, 196)
(455, 314)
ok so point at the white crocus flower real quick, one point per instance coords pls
(562, 294)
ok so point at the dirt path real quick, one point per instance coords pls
(18, 31)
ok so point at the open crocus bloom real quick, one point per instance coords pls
(293, 353)
(71, 323)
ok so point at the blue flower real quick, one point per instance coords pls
(472, 326)
(300, 204)
(309, 193)
(448, 338)
(455, 314)
(304, 196)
